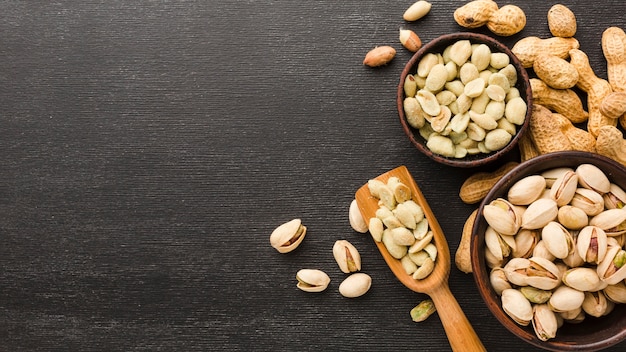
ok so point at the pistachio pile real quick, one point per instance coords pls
(464, 101)
(401, 226)
(555, 247)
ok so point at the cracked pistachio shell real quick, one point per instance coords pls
(557, 239)
(591, 177)
(515, 271)
(525, 242)
(564, 187)
(535, 295)
(612, 221)
(312, 280)
(544, 322)
(516, 306)
(595, 304)
(612, 269)
(539, 213)
(592, 244)
(288, 236)
(357, 222)
(501, 246)
(552, 174)
(502, 216)
(355, 285)
(498, 280)
(581, 279)
(542, 273)
(527, 190)
(617, 292)
(565, 298)
(347, 256)
(492, 261)
(615, 198)
(541, 251)
(572, 218)
(589, 201)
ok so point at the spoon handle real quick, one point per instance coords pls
(460, 333)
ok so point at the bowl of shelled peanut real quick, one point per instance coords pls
(548, 251)
(464, 99)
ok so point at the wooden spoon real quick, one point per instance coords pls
(460, 333)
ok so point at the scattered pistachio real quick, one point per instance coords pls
(423, 310)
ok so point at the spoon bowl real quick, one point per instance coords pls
(460, 333)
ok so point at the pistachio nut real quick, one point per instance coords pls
(591, 177)
(617, 292)
(535, 271)
(573, 316)
(615, 198)
(595, 304)
(612, 221)
(526, 190)
(525, 242)
(347, 256)
(564, 188)
(498, 280)
(581, 279)
(572, 218)
(535, 295)
(355, 285)
(376, 229)
(612, 269)
(539, 213)
(502, 216)
(557, 239)
(312, 280)
(589, 201)
(565, 298)
(501, 246)
(357, 222)
(541, 251)
(591, 244)
(544, 322)
(288, 236)
(423, 310)
(517, 306)
(552, 174)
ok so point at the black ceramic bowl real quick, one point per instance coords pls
(593, 333)
(437, 46)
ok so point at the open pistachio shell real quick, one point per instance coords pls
(612, 269)
(498, 280)
(502, 216)
(617, 292)
(544, 322)
(589, 201)
(558, 239)
(346, 256)
(312, 280)
(288, 236)
(592, 244)
(590, 176)
(615, 198)
(564, 188)
(595, 304)
(612, 221)
(517, 306)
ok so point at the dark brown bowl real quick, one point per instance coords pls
(593, 333)
(437, 45)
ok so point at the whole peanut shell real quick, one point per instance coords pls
(507, 20)
(555, 71)
(561, 21)
(475, 13)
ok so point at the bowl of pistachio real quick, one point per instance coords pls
(464, 99)
(548, 251)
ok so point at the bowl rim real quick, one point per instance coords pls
(480, 271)
(526, 94)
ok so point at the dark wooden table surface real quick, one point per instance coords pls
(149, 148)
